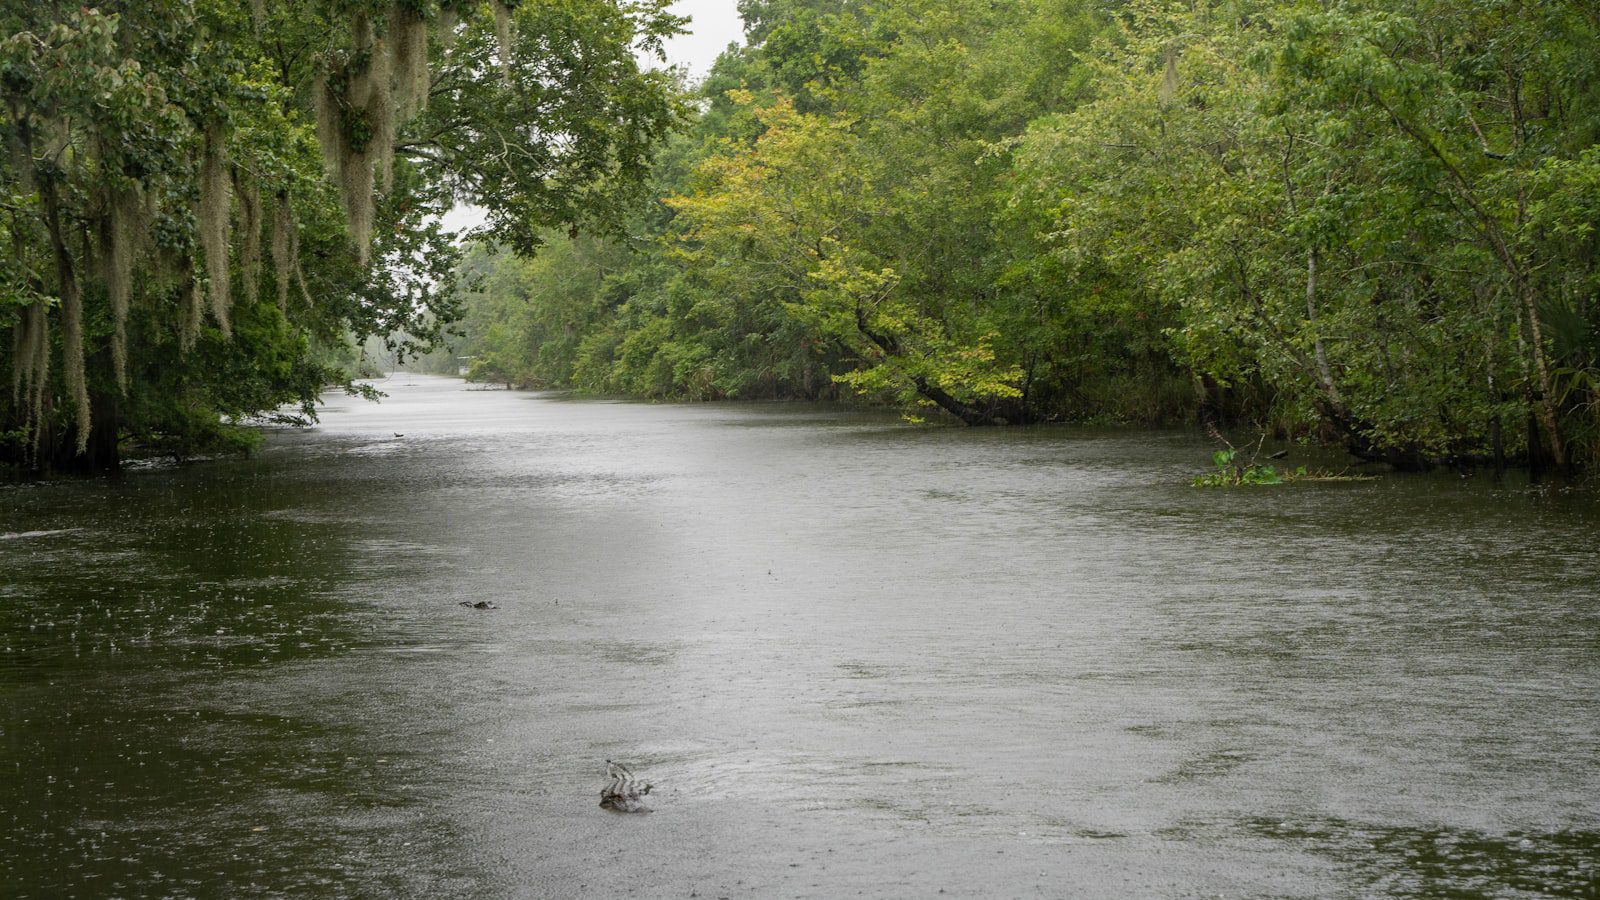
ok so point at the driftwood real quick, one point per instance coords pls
(624, 793)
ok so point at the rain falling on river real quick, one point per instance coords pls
(852, 656)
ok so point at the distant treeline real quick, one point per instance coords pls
(1371, 221)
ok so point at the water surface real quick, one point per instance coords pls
(856, 657)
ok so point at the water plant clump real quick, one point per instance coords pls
(1231, 472)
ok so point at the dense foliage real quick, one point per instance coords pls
(203, 203)
(1371, 222)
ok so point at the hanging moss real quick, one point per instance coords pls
(449, 18)
(282, 262)
(214, 222)
(38, 366)
(250, 240)
(24, 354)
(325, 97)
(408, 43)
(30, 361)
(72, 357)
(356, 189)
(355, 118)
(121, 229)
(381, 113)
(68, 290)
(294, 259)
(17, 142)
(502, 34)
(365, 94)
(194, 310)
(357, 65)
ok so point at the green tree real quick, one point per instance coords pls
(1341, 206)
(197, 196)
(1371, 223)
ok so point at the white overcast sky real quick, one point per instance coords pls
(713, 25)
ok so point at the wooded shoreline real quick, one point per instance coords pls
(1370, 225)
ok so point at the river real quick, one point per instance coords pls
(855, 657)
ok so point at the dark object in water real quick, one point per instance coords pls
(624, 794)
(481, 604)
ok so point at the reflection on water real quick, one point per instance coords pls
(1444, 862)
(853, 656)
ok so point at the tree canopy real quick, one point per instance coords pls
(1366, 222)
(203, 201)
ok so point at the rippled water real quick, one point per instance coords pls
(855, 657)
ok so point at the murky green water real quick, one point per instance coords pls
(855, 657)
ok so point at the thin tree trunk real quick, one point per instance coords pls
(1535, 452)
(1324, 371)
(71, 312)
(1313, 257)
(966, 412)
(1544, 403)
(1489, 228)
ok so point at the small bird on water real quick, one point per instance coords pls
(624, 792)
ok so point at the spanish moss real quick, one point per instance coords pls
(171, 142)
(282, 260)
(19, 144)
(408, 42)
(381, 114)
(356, 127)
(27, 335)
(39, 366)
(119, 235)
(330, 140)
(356, 189)
(72, 357)
(194, 310)
(250, 241)
(300, 274)
(502, 34)
(214, 223)
(449, 18)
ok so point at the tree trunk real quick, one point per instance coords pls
(966, 412)
(101, 452)
(1535, 452)
(51, 450)
(1320, 350)
(1543, 399)
(1498, 445)
(1403, 459)
(1501, 245)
